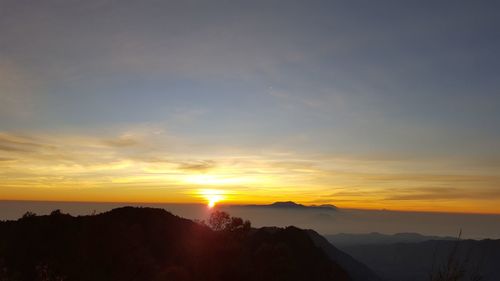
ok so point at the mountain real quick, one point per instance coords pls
(348, 239)
(416, 261)
(293, 205)
(357, 270)
(152, 244)
(286, 204)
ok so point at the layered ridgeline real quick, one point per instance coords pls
(152, 244)
(415, 257)
(351, 239)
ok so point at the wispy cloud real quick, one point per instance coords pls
(444, 193)
(122, 141)
(20, 143)
(198, 166)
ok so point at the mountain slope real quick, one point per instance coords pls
(416, 261)
(152, 244)
(350, 239)
(356, 269)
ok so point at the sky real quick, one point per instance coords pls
(362, 104)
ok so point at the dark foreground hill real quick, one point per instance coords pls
(151, 244)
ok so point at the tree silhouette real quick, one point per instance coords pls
(56, 212)
(222, 221)
(219, 220)
(28, 214)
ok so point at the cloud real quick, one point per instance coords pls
(440, 193)
(123, 141)
(6, 159)
(20, 143)
(198, 166)
(10, 148)
(425, 177)
(295, 164)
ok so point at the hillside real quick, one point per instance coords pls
(416, 261)
(152, 244)
(349, 239)
(357, 270)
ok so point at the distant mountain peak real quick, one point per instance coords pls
(294, 205)
(287, 204)
(326, 206)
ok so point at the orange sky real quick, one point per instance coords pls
(78, 168)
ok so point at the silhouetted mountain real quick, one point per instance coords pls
(152, 244)
(416, 261)
(325, 206)
(287, 204)
(348, 239)
(293, 205)
(355, 269)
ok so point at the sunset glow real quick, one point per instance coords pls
(50, 167)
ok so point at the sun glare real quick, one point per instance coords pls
(212, 196)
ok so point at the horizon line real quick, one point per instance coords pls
(253, 204)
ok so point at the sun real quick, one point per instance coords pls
(212, 196)
(212, 200)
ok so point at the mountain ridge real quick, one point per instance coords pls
(348, 239)
(416, 261)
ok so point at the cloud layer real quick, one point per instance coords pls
(147, 165)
